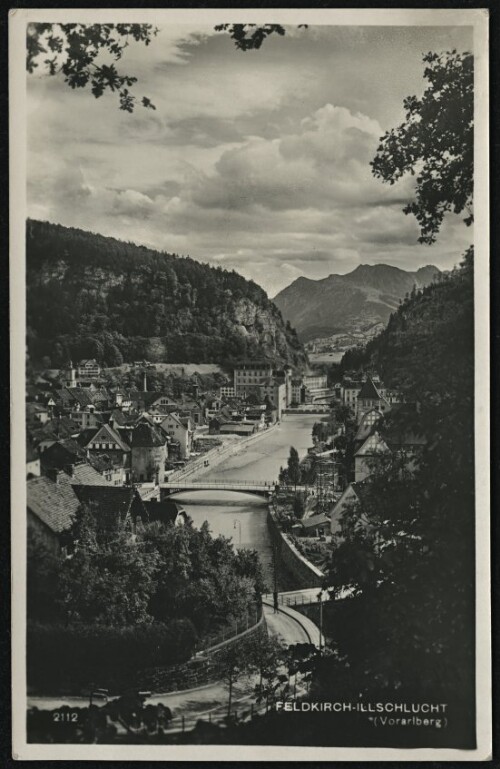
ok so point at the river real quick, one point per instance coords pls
(243, 517)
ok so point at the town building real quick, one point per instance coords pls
(247, 377)
(180, 430)
(370, 398)
(149, 454)
(109, 443)
(113, 506)
(51, 507)
(315, 382)
(275, 394)
(354, 494)
(350, 390)
(370, 450)
(88, 369)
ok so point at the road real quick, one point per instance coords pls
(290, 626)
(211, 700)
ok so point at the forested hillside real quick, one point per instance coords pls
(413, 568)
(427, 346)
(94, 296)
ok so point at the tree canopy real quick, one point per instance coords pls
(86, 55)
(435, 143)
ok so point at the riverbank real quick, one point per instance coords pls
(217, 455)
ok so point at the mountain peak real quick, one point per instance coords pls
(349, 303)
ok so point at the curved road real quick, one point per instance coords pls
(287, 624)
(290, 626)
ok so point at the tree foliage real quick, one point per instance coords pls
(435, 143)
(117, 301)
(86, 55)
(248, 37)
(406, 551)
(161, 573)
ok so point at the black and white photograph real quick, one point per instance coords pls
(250, 377)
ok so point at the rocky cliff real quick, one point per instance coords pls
(92, 296)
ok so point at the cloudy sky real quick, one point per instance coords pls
(256, 161)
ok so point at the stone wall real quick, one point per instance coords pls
(305, 573)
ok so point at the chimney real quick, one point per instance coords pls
(144, 382)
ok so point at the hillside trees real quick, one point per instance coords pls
(121, 302)
(407, 551)
(160, 574)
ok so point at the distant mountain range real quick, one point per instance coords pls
(345, 303)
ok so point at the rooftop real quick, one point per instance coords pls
(53, 503)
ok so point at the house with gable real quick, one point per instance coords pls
(369, 397)
(366, 426)
(108, 442)
(112, 505)
(51, 507)
(372, 448)
(44, 436)
(355, 493)
(180, 430)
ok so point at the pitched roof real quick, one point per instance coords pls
(315, 520)
(63, 453)
(35, 408)
(146, 435)
(374, 444)
(85, 474)
(119, 417)
(73, 395)
(92, 361)
(396, 439)
(82, 397)
(53, 503)
(173, 416)
(361, 489)
(55, 429)
(151, 397)
(111, 502)
(108, 435)
(369, 391)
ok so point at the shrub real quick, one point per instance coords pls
(73, 657)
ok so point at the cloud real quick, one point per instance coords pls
(256, 161)
(324, 164)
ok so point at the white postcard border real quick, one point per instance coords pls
(478, 18)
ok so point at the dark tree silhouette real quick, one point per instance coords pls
(73, 50)
(435, 143)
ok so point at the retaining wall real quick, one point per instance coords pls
(304, 572)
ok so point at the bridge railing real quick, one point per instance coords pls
(219, 484)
